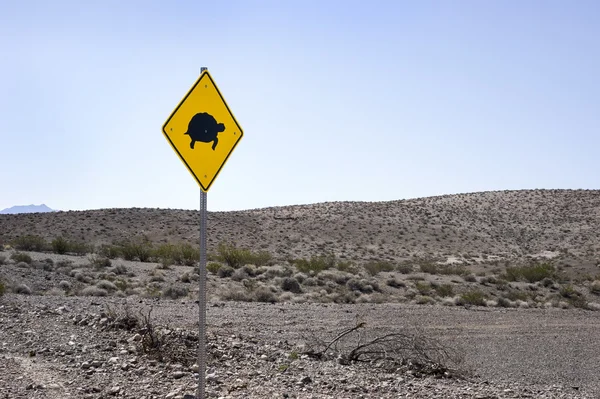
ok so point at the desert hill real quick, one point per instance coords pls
(476, 227)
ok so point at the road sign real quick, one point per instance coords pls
(203, 131)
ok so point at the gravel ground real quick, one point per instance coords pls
(57, 347)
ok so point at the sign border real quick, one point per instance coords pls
(202, 75)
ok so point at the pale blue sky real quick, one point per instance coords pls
(339, 100)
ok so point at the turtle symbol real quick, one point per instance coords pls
(204, 127)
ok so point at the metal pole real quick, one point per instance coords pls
(202, 296)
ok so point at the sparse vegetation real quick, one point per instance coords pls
(530, 274)
(315, 264)
(30, 243)
(238, 257)
(213, 267)
(60, 245)
(374, 268)
(22, 289)
(473, 297)
(444, 290)
(291, 284)
(175, 292)
(21, 257)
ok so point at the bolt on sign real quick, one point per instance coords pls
(203, 131)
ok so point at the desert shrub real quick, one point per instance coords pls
(231, 255)
(360, 285)
(46, 264)
(23, 289)
(64, 285)
(128, 251)
(547, 282)
(236, 295)
(346, 266)
(2, 259)
(424, 288)
(392, 282)
(515, 295)
(339, 278)
(165, 254)
(237, 257)
(574, 297)
(487, 280)
(21, 257)
(261, 258)
(316, 264)
(264, 294)
(291, 284)
(444, 290)
(106, 285)
(225, 271)
(424, 300)
(190, 255)
(470, 278)
(80, 248)
(404, 268)
(23, 265)
(374, 268)
(109, 251)
(2, 288)
(99, 262)
(473, 297)
(118, 269)
(505, 303)
(457, 270)
(300, 277)
(156, 276)
(530, 274)
(60, 245)
(595, 287)
(239, 275)
(213, 267)
(30, 243)
(429, 267)
(93, 291)
(448, 270)
(174, 292)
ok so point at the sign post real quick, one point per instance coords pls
(203, 132)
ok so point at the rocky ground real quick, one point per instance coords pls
(507, 282)
(57, 347)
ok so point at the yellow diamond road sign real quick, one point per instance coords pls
(203, 131)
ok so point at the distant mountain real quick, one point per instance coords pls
(26, 209)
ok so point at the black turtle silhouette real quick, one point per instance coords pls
(204, 127)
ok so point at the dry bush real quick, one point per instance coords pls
(106, 285)
(264, 294)
(392, 282)
(291, 284)
(406, 348)
(162, 343)
(174, 292)
(93, 291)
(21, 257)
(30, 243)
(22, 289)
(374, 268)
(225, 271)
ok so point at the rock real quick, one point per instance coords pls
(178, 374)
(305, 380)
